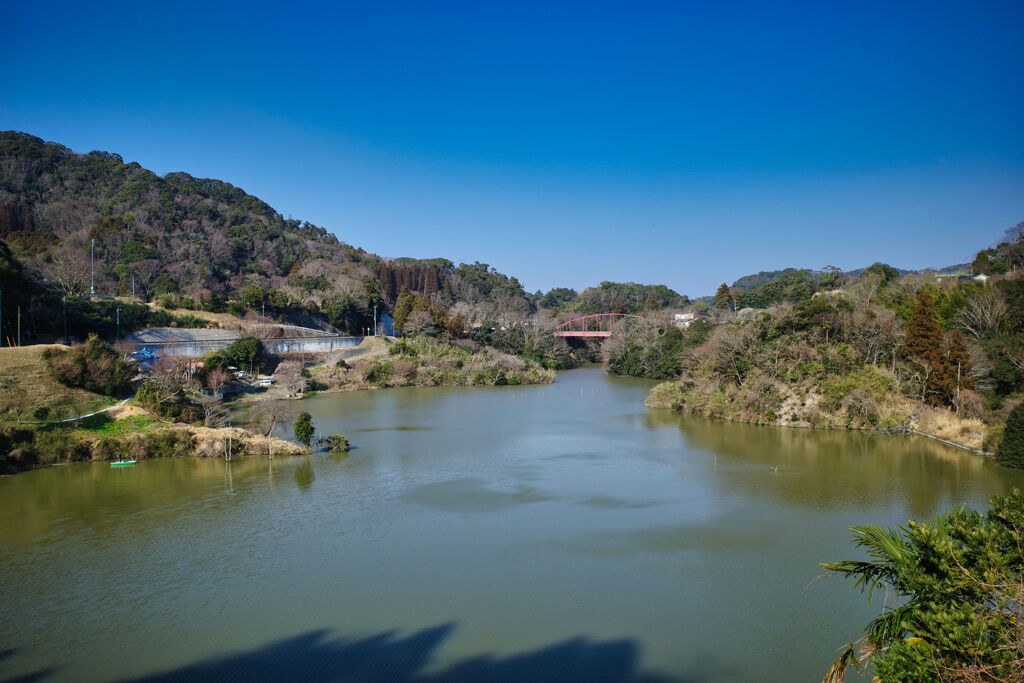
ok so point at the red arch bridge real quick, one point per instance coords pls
(596, 325)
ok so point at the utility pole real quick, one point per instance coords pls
(64, 299)
(118, 311)
(375, 320)
(133, 288)
(92, 270)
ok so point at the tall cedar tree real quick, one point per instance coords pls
(403, 307)
(723, 299)
(1011, 450)
(925, 346)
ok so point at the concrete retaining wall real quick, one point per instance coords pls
(199, 348)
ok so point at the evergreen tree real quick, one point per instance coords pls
(403, 307)
(304, 428)
(925, 346)
(723, 298)
(1011, 450)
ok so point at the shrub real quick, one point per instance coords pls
(163, 444)
(94, 366)
(953, 594)
(380, 372)
(1011, 450)
(335, 443)
(304, 428)
(58, 445)
(869, 381)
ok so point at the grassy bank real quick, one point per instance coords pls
(137, 436)
(30, 393)
(428, 362)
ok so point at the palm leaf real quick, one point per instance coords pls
(837, 672)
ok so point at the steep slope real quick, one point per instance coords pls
(201, 240)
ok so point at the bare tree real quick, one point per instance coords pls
(289, 377)
(265, 416)
(217, 379)
(164, 384)
(215, 413)
(983, 312)
(68, 269)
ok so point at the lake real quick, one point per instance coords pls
(560, 532)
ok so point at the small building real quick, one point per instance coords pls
(684, 320)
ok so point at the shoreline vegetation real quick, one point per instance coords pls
(179, 411)
(937, 355)
(934, 352)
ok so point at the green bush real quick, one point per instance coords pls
(58, 445)
(335, 443)
(380, 372)
(94, 366)
(952, 590)
(868, 379)
(1011, 450)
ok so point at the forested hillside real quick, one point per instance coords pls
(943, 354)
(199, 243)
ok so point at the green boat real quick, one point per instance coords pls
(122, 463)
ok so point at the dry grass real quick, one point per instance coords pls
(26, 384)
(945, 424)
(210, 442)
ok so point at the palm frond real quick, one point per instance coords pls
(889, 550)
(890, 626)
(837, 672)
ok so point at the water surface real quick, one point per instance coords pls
(552, 533)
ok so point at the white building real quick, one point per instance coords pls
(684, 320)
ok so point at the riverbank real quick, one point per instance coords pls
(852, 409)
(132, 433)
(385, 363)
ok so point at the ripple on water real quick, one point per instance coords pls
(471, 494)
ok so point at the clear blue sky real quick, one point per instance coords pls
(565, 143)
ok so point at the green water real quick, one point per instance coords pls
(509, 534)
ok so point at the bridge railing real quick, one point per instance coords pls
(592, 325)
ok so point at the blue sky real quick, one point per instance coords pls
(564, 143)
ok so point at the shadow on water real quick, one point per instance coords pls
(24, 678)
(385, 657)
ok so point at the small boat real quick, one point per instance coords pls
(122, 463)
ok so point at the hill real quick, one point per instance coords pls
(200, 242)
(27, 386)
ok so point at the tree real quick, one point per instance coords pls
(304, 428)
(924, 348)
(215, 413)
(983, 312)
(958, 364)
(68, 268)
(217, 379)
(403, 307)
(955, 590)
(1011, 450)
(723, 297)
